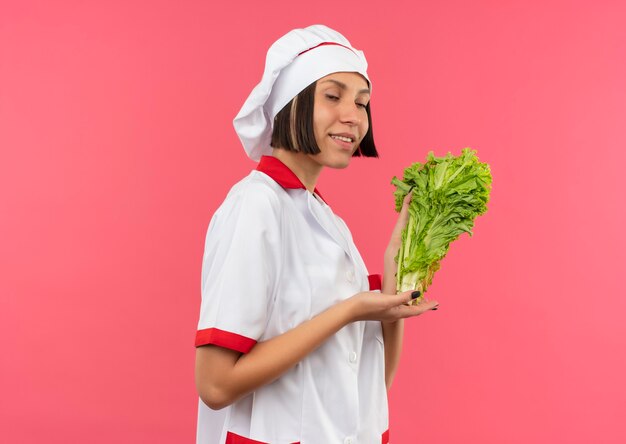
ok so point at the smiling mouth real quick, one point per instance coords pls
(345, 139)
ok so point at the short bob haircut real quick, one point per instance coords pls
(293, 127)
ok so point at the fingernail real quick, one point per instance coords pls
(415, 295)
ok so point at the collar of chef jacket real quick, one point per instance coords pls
(281, 174)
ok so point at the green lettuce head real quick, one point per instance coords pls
(447, 195)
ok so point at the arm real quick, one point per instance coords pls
(393, 331)
(224, 376)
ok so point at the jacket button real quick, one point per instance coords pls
(352, 357)
(348, 440)
(350, 276)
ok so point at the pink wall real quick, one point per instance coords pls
(116, 145)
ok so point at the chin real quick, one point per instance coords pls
(339, 164)
(331, 158)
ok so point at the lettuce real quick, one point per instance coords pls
(448, 193)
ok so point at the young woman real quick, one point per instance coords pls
(295, 342)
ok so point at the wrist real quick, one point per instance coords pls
(391, 323)
(347, 311)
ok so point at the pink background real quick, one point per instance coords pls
(117, 146)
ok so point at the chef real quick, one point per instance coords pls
(295, 342)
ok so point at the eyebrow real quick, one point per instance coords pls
(344, 86)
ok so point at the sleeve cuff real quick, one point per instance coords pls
(375, 282)
(224, 339)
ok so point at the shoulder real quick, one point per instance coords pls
(255, 192)
(256, 198)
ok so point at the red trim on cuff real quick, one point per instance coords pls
(225, 339)
(233, 438)
(375, 282)
(385, 439)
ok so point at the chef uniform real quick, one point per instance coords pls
(275, 256)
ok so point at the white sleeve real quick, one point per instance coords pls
(239, 268)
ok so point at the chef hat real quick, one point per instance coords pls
(293, 62)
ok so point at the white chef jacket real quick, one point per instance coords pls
(275, 256)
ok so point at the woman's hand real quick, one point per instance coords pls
(374, 306)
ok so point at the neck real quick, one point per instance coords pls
(302, 165)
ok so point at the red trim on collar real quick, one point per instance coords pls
(281, 174)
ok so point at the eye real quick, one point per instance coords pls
(361, 105)
(332, 97)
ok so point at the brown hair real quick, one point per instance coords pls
(293, 127)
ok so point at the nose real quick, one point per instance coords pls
(350, 114)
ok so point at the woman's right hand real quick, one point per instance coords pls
(374, 306)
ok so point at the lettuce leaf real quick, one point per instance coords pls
(448, 193)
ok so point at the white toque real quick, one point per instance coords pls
(293, 62)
